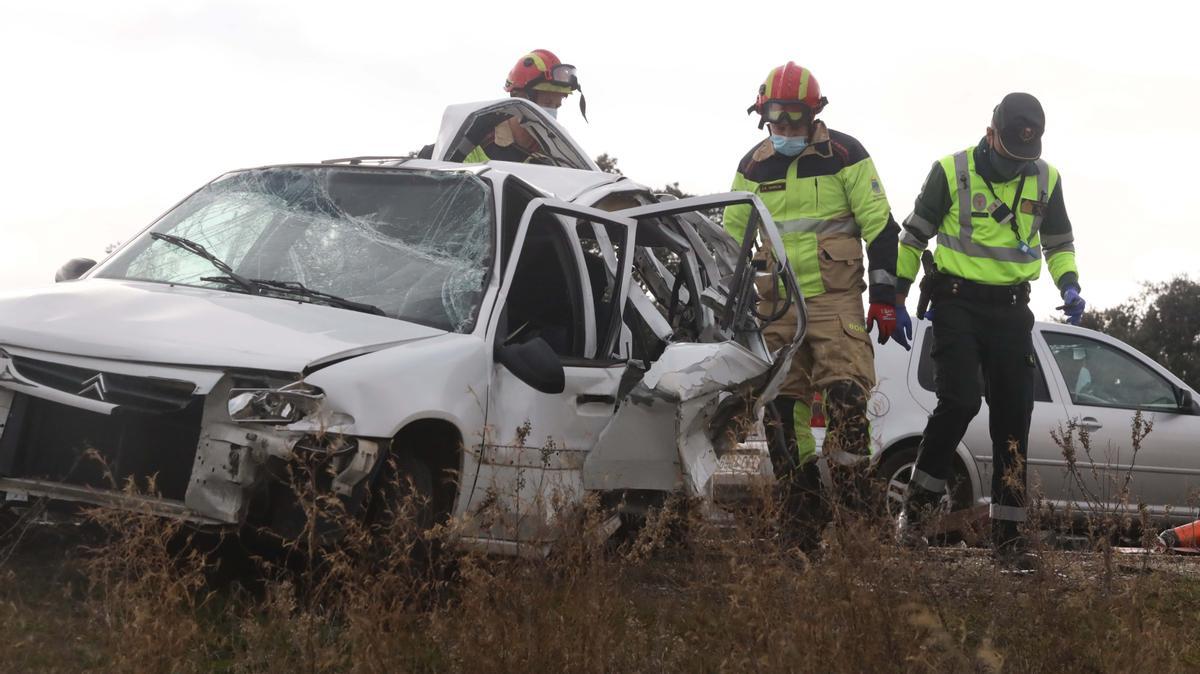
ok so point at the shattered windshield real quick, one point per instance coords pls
(416, 244)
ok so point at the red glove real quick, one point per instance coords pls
(885, 315)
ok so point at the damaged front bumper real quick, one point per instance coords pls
(161, 440)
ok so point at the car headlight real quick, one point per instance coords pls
(285, 405)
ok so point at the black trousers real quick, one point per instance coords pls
(997, 339)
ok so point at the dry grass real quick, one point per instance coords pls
(135, 593)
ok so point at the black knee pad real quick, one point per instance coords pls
(845, 392)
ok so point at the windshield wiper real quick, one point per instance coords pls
(197, 249)
(259, 286)
(298, 288)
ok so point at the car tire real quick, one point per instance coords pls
(896, 470)
(405, 476)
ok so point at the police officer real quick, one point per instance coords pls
(826, 198)
(995, 209)
(542, 78)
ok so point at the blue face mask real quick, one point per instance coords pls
(553, 112)
(789, 146)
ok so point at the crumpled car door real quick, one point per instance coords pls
(692, 401)
(535, 441)
(465, 125)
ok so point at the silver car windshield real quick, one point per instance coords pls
(416, 244)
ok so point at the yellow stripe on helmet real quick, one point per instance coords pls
(537, 60)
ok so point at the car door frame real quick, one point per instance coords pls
(619, 461)
(517, 478)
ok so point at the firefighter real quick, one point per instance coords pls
(995, 210)
(542, 78)
(826, 198)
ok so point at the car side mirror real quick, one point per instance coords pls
(1187, 402)
(73, 269)
(535, 363)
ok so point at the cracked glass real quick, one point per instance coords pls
(415, 244)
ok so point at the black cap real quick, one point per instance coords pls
(1019, 122)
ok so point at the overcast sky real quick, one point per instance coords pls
(113, 111)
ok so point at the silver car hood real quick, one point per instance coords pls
(158, 323)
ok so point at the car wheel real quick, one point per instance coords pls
(896, 470)
(404, 486)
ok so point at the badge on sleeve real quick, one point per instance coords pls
(1031, 207)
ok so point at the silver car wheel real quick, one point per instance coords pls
(898, 484)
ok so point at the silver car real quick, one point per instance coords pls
(1084, 377)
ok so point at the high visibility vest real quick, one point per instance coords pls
(826, 216)
(972, 244)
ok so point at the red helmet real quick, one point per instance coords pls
(540, 69)
(789, 90)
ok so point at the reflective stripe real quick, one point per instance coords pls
(1007, 513)
(968, 247)
(846, 225)
(1058, 243)
(964, 244)
(846, 458)
(963, 172)
(920, 227)
(907, 238)
(926, 481)
(1055, 240)
(1043, 187)
(883, 277)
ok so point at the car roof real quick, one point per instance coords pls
(558, 182)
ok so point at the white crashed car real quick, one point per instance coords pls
(522, 334)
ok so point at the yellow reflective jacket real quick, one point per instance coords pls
(956, 206)
(826, 202)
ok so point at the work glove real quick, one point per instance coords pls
(1073, 305)
(889, 317)
(903, 333)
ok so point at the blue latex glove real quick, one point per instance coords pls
(902, 335)
(1073, 305)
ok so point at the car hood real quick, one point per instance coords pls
(158, 323)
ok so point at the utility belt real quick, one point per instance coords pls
(947, 286)
(936, 285)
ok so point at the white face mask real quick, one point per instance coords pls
(553, 112)
(789, 146)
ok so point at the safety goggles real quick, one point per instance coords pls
(782, 112)
(563, 74)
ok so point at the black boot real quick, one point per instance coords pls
(1011, 548)
(805, 509)
(920, 508)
